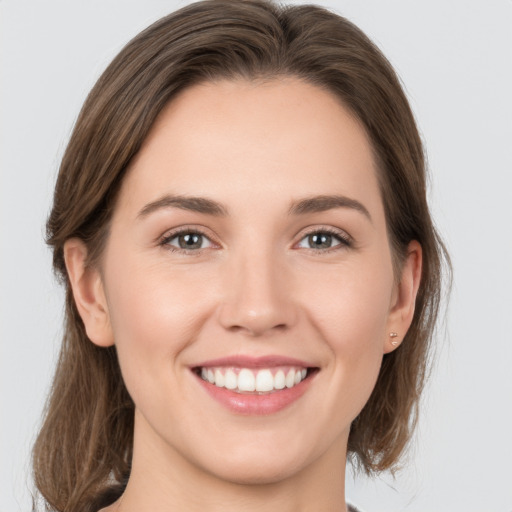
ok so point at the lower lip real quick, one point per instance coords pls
(252, 404)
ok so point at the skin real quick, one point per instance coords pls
(257, 286)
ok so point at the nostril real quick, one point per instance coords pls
(255, 330)
(255, 315)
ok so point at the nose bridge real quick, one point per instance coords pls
(257, 298)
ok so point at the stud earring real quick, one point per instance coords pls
(393, 335)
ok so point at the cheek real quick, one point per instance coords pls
(154, 315)
(352, 318)
(353, 309)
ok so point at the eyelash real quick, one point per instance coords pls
(345, 241)
(166, 239)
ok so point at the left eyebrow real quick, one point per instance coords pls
(323, 203)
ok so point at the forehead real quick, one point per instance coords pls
(270, 140)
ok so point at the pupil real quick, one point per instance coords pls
(322, 241)
(190, 241)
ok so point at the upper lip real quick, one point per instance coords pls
(242, 361)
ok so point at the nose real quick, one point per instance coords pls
(258, 295)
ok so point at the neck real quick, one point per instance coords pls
(163, 480)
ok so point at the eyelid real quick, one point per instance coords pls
(345, 239)
(192, 229)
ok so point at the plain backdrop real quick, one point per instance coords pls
(455, 59)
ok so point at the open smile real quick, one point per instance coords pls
(255, 386)
(247, 380)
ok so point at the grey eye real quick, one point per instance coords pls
(320, 240)
(189, 241)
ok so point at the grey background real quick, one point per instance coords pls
(455, 58)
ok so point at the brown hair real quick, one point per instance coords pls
(83, 453)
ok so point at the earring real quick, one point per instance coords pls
(393, 335)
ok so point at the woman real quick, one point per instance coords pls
(251, 269)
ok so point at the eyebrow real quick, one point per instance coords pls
(314, 204)
(323, 203)
(194, 204)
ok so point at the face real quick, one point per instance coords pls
(248, 279)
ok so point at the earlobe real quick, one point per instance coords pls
(88, 292)
(404, 300)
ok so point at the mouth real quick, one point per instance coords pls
(254, 386)
(254, 380)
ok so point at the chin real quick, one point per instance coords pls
(255, 471)
(258, 462)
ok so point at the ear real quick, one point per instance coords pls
(404, 298)
(88, 293)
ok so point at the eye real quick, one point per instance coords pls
(323, 240)
(186, 241)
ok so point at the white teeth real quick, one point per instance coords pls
(264, 381)
(246, 380)
(219, 379)
(279, 381)
(290, 379)
(230, 380)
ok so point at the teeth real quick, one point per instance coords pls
(248, 381)
(219, 379)
(279, 380)
(264, 381)
(290, 379)
(230, 379)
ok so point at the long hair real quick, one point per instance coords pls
(83, 453)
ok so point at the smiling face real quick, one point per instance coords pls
(248, 249)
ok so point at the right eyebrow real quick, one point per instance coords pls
(191, 203)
